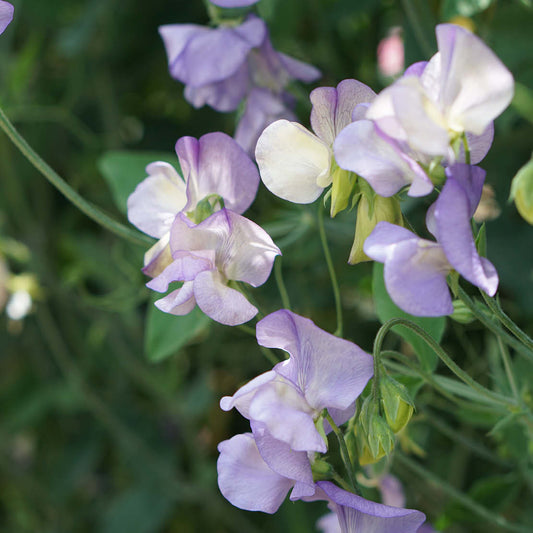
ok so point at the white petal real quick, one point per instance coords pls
(293, 163)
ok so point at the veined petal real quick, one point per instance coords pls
(333, 107)
(216, 164)
(157, 200)
(329, 372)
(293, 163)
(476, 86)
(244, 478)
(179, 302)
(248, 253)
(220, 302)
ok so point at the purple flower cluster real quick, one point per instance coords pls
(204, 242)
(223, 66)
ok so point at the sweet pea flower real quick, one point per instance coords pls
(212, 165)
(296, 164)
(322, 372)
(6, 15)
(224, 247)
(256, 481)
(416, 269)
(357, 515)
(220, 66)
(462, 89)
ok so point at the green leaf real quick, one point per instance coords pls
(464, 8)
(123, 171)
(387, 309)
(522, 191)
(165, 334)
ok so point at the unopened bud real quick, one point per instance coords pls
(206, 207)
(461, 313)
(397, 405)
(522, 191)
(321, 469)
(374, 437)
(371, 210)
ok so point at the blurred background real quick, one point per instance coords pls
(109, 409)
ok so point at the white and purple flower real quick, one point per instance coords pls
(6, 15)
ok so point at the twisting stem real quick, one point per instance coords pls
(331, 269)
(344, 453)
(281, 284)
(444, 357)
(500, 314)
(64, 188)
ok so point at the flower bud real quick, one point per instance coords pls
(342, 187)
(206, 207)
(522, 191)
(374, 437)
(397, 405)
(371, 210)
(461, 313)
(321, 469)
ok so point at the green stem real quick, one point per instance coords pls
(495, 307)
(331, 269)
(444, 357)
(281, 284)
(508, 369)
(344, 453)
(460, 497)
(492, 326)
(62, 186)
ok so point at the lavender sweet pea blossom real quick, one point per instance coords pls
(416, 269)
(357, 515)
(296, 164)
(462, 89)
(6, 15)
(323, 372)
(222, 66)
(211, 165)
(224, 247)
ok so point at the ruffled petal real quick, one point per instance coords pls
(292, 162)
(244, 478)
(380, 244)
(156, 201)
(476, 85)
(220, 302)
(329, 372)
